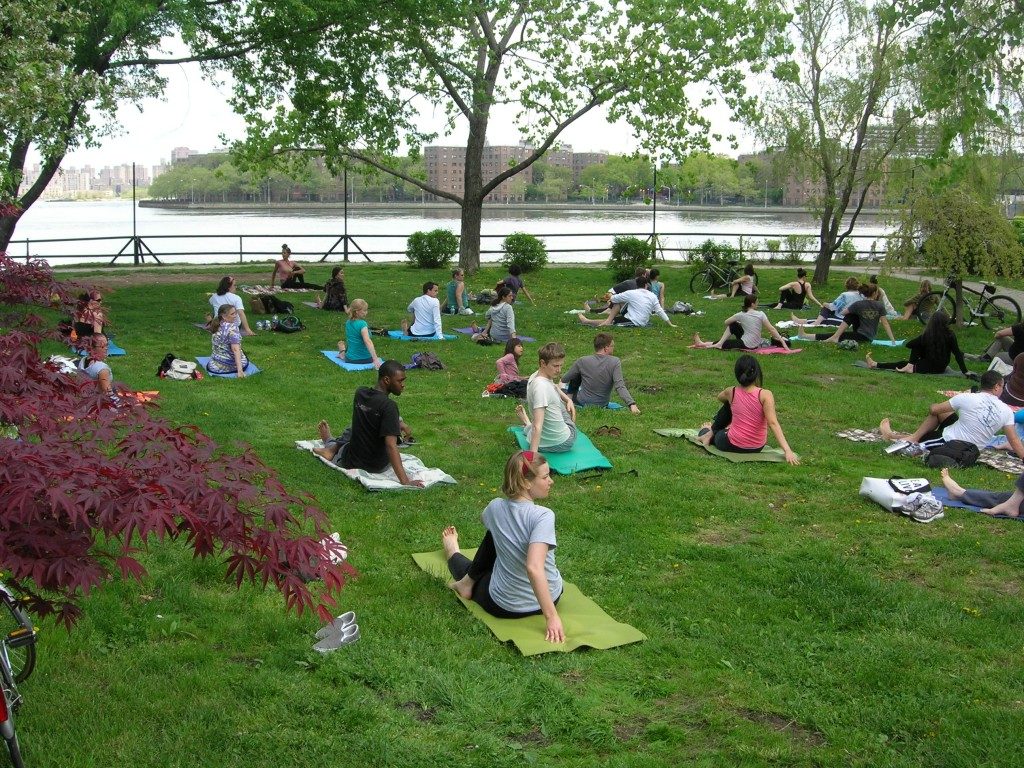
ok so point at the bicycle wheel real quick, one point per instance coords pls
(999, 312)
(932, 303)
(701, 282)
(22, 657)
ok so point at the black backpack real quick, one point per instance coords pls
(274, 305)
(960, 451)
(289, 324)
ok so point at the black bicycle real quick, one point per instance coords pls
(995, 310)
(713, 275)
(17, 660)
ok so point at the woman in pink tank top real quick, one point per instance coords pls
(747, 413)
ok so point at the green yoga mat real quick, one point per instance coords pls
(585, 622)
(768, 454)
(583, 456)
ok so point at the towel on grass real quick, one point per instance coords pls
(258, 290)
(311, 304)
(386, 480)
(250, 370)
(583, 456)
(332, 355)
(774, 351)
(470, 332)
(943, 495)
(402, 337)
(947, 372)
(768, 454)
(585, 622)
(112, 350)
(1000, 460)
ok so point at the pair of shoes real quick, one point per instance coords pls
(922, 508)
(466, 311)
(342, 631)
(610, 431)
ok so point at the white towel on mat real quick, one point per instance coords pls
(386, 480)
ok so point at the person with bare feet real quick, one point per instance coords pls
(747, 413)
(590, 379)
(513, 573)
(743, 330)
(860, 322)
(831, 313)
(970, 417)
(371, 443)
(930, 352)
(631, 308)
(549, 419)
(1010, 504)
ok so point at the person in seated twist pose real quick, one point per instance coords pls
(930, 352)
(88, 317)
(860, 321)
(513, 573)
(335, 293)
(371, 443)
(358, 347)
(743, 330)
(745, 283)
(970, 417)
(457, 297)
(592, 378)
(426, 312)
(794, 294)
(508, 364)
(632, 307)
(225, 294)
(747, 413)
(551, 423)
(291, 274)
(226, 355)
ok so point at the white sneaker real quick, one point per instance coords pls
(466, 311)
(333, 642)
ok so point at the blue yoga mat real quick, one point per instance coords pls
(402, 337)
(612, 406)
(251, 369)
(583, 456)
(943, 495)
(112, 350)
(332, 355)
(887, 343)
(470, 332)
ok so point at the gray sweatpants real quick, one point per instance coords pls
(988, 499)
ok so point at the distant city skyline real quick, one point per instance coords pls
(194, 112)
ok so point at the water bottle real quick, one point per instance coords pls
(274, 322)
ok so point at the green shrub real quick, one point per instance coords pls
(526, 251)
(796, 245)
(430, 250)
(628, 253)
(847, 253)
(1018, 226)
(714, 253)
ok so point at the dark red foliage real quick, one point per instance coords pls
(86, 481)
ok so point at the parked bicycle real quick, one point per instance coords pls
(17, 660)
(713, 275)
(995, 310)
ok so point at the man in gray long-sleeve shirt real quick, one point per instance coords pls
(592, 378)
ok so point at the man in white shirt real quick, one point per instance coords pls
(426, 312)
(632, 307)
(971, 417)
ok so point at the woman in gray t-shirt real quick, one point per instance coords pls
(743, 330)
(513, 573)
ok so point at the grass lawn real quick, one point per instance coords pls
(790, 622)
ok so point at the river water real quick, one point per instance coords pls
(219, 236)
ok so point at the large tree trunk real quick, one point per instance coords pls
(7, 225)
(472, 196)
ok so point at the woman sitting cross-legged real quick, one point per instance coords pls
(747, 413)
(513, 573)
(743, 330)
(930, 352)
(793, 295)
(227, 356)
(358, 346)
(860, 322)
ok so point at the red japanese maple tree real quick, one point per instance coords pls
(86, 481)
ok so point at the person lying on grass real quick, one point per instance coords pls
(1006, 503)
(970, 417)
(371, 443)
(358, 346)
(743, 330)
(747, 413)
(513, 573)
(551, 423)
(930, 352)
(860, 322)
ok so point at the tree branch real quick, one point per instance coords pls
(371, 161)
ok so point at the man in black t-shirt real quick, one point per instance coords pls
(371, 443)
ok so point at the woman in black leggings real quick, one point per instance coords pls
(860, 322)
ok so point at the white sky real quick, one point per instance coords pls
(194, 113)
